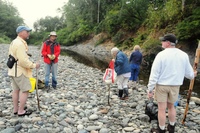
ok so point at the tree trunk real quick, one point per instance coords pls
(183, 5)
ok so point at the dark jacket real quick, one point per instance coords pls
(121, 64)
(136, 58)
(50, 48)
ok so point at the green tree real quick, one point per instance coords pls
(188, 28)
(48, 24)
(9, 19)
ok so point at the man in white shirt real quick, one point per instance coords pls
(167, 74)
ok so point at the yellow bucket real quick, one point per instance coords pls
(33, 84)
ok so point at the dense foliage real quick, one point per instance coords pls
(9, 20)
(188, 28)
(126, 22)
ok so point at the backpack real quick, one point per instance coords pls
(151, 109)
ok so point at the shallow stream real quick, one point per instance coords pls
(143, 76)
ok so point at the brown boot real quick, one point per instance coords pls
(157, 130)
(170, 128)
(124, 98)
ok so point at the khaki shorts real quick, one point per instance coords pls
(21, 83)
(165, 93)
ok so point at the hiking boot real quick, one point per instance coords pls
(47, 88)
(157, 130)
(124, 98)
(120, 94)
(54, 87)
(170, 128)
(125, 92)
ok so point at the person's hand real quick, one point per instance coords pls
(37, 65)
(195, 73)
(53, 57)
(150, 94)
(113, 60)
(49, 56)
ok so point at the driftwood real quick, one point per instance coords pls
(196, 111)
(195, 99)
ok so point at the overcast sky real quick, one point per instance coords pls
(33, 10)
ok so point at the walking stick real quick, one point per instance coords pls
(38, 100)
(196, 61)
(109, 94)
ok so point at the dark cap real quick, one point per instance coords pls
(169, 37)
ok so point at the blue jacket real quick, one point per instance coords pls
(136, 58)
(121, 64)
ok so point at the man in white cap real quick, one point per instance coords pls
(21, 71)
(167, 74)
(50, 53)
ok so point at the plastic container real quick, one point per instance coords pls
(177, 102)
(33, 84)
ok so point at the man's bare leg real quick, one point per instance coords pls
(23, 99)
(15, 98)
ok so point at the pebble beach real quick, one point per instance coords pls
(80, 103)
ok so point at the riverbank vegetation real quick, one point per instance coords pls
(125, 22)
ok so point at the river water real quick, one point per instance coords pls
(143, 76)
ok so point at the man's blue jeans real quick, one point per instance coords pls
(51, 68)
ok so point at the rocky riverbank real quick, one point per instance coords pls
(80, 104)
(91, 50)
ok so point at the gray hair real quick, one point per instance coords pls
(172, 44)
(113, 50)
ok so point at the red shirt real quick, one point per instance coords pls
(47, 50)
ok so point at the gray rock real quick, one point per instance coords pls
(18, 127)
(43, 131)
(14, 122)
(34, 130)
(90, 128)
(144, 118)
(104, 130)
(63, 123)
(93, 117)
(83, 131)
(8, 130)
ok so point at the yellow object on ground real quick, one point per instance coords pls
(33, 84)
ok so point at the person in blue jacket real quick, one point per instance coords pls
(122, 68)
(135, 61)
